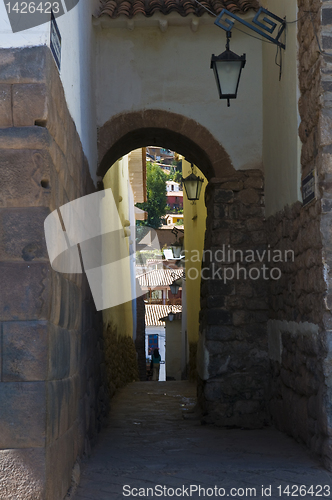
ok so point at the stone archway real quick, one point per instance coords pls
(233, 363)
(128, 131)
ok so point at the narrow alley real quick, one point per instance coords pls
(155, 440)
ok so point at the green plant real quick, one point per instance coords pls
(155, 205)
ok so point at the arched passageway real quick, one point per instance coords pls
(129, 131)
(50, 332)
(232, 348)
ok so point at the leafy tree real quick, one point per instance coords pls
(177, 177)
(155, 205)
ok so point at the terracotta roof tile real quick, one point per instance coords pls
(129, 8)
(177, 316)
(154, 313)
(159, 277)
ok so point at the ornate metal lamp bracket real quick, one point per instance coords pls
(263, 27)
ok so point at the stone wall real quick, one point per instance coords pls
(232, 348)
(301, 321)
(295, 330)
(51, 389)
(121, 359)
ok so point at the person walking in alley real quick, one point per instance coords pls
(156, 365)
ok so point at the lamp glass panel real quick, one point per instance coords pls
(228, 73)
(174, 289)
(177, 249)
(199, 189)
(191, 189)
(215, 72)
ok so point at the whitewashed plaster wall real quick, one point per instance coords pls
(77, 61)
(162, 63)
(282, 145)
(77, 74)
(39, 35)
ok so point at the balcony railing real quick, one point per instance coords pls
(164, 302)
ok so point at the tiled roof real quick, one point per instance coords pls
(177, 316)
(153, 313)
(130, 8)
(172, 226)
(159, 277)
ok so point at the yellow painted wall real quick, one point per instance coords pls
(117, 178)
(174, 218)
(281, 144)
(194, 232)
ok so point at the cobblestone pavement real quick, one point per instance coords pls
(154, 438)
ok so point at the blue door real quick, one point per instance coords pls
(152, 342)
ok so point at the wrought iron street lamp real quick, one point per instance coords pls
(171, 314)
(176, 249)
(227, 68)
(175, 285)
(193, 185)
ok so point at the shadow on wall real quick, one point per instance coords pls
(192, 364)
(120, 359)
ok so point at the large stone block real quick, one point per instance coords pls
(60, 353)
(217, 287)
(327, 42)
(24, 291)
(67, 300)
(218, 317)
(256, 182)
(236, 356)
(223, 196)
(57, 191)
(6, 119)
(232, 185)
(24, 351)
(327, 15)
(64, 317)
(29, 104)
(55, 308)
(23, 414)
(23, 474)
(248, 196)
(25, 138)
(60, 136)
(25, 176)
(241, 317)
(22, 233)
(57, 95)
(63, 397)
(24, 65)
(247, 406)
(213, 390)
(75, 351)
(61, 456)
(221, 333)
(215, 301)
